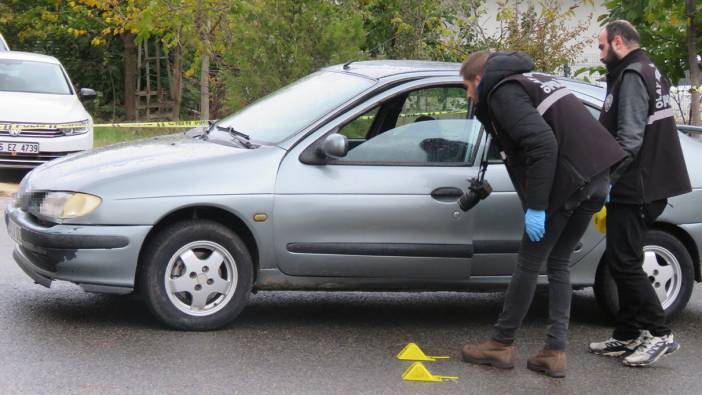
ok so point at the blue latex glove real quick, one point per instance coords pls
(535, 224)
(609, 193)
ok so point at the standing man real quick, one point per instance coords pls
(558, 158)
(638, 114)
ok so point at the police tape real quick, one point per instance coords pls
(17, 127)
(418, 114)
(11, 127)
(165, 124)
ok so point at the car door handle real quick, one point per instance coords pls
(446, 193)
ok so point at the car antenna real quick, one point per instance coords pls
(347, 65)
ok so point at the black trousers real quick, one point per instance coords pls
(639, 307)
(564, 228)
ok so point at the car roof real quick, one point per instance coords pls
(382, 69)
(377, 69)
(35, 57)
(596, 92)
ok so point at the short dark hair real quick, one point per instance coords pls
(625, 30)
(474, 65)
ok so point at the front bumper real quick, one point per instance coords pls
(97, 258)
(50, 148)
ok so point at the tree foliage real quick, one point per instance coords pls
(277, 42)
(542, 30)
(226, 53)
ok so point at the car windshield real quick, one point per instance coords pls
(283, 113)
(32, 77)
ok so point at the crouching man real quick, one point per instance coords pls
(558, 158)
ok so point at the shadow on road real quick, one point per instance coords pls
(311, 309)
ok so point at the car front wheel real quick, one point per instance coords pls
(668, 265)
(196, 275)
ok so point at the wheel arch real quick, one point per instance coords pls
(212, 213)
(686, 240)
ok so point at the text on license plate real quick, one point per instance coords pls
(22, 148)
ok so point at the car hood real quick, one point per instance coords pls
(40, 108)
(173, 165)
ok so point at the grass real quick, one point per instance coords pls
(107, 136)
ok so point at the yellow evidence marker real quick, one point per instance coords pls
(600, 220)
(418, 372)
(412, 352)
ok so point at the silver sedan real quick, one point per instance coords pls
(347, 179)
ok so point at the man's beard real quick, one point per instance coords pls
(611, 60)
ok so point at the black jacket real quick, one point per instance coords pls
(551, 144)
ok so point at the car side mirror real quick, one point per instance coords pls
(87, 94)
(335, 145)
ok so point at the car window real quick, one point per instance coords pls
(437, 141)
(32, 77)
(359, 127)
(431, 127)
(285, 112)
(493, 154)
(434, 104)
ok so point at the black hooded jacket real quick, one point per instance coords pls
(553, 153)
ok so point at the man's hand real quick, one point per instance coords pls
(535, 224)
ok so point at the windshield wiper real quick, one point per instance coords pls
(239, 137)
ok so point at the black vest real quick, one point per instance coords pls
(585, 148)
(659, 170)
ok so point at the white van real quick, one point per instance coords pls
(3, 44)
(41, 115)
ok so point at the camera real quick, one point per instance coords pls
(477, 191)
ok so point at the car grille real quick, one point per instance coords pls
(47, 133)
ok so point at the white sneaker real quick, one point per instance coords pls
(614, 348)
(651, 349)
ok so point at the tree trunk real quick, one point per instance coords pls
(130, 75)
(203, 25)
(204, 86)
(176, 83)
(695, 77)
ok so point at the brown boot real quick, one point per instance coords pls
(490, 352)
(549, 362)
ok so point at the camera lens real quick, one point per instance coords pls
(468, 200)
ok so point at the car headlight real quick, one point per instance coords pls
(73, 128)
(57, 206)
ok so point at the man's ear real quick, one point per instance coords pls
(477, 79)
(617, 43)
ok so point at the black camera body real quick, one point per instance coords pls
(477, 191)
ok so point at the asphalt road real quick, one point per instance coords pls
(62, 340)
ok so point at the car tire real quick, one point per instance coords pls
(667, 251)
(196, 275)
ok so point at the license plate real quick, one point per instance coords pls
(15, 147)
(15, 231)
